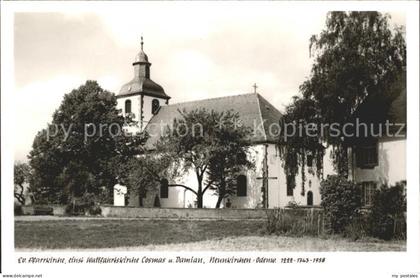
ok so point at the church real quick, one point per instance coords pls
(150, 106)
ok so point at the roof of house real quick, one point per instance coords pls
(254, 112)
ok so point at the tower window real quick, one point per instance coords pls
(241, 186)
(127, 106)
(155, 106)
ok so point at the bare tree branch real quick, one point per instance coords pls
(183, 186)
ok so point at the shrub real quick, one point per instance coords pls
(156, 203)
(387, 213)
(86, 204)
(95, 210)
(341, 200)
(18, 209)
(296, 222)
(358, 227)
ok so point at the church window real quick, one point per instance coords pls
(367, 155)
(127, 106)
(309, 160)
(241, 185)
(155, 106)
(164, 188)
(290, 186)
(310, 198)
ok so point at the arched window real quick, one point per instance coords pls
(155, 106)
(241, 185)
(127, 106)
(310, 198)
(164, 188)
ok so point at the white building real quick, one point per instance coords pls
(149, 105)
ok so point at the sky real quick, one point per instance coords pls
(197, 51)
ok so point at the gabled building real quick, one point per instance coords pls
(148, 104)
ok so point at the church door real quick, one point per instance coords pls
(310, 198)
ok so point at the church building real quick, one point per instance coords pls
(148, 104)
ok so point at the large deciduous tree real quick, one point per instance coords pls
(358, 71)
(207, 142)
(83, 148)
(22, 172)
(230, 159)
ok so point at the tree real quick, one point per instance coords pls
(296, 148)
(388, 208)
(22, 173)
(83, 148)
(202, 141)
(230, 159)
(147, 172)
(341, 200)
(359, 70)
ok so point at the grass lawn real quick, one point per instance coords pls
(123, 234)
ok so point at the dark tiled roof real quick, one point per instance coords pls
(254, 112)
(142, 85)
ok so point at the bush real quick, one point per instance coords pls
(341, 200)
(296, 222)
(18, 209)
(84, 205)
(387, 217)
(358, 228)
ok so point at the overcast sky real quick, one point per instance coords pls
(197, 51)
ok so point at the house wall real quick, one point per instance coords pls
(391, 163)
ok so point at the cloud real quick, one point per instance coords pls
(36, 103)
(210, 51)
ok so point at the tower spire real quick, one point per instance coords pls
(142, 43)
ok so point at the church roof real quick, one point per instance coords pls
(142, 85)
(141, 57)
(254, 111)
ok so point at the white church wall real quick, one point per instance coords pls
(277, 178)
(391, 163)
(253, 191)
(312, 183)
(177, 197)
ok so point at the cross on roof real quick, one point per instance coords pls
(255, 87)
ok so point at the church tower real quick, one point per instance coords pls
(141, 97)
